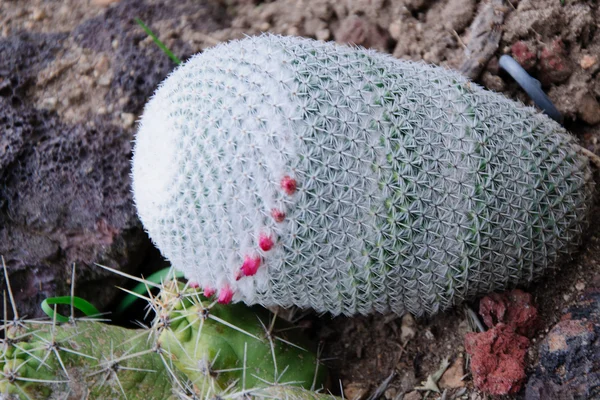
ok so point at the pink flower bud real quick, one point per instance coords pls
(225, 295)
(288, 185)
(277, 215)
(250, 265)
(265, 242)
(209, 292)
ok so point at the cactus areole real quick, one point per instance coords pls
(287, 171)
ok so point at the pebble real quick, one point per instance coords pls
(588, 61)
(408, 329)
(580, 286)
(323, 34)
(105, 80)
(452, 378)
(390, 394)
(395, 29)
(38, 14)
(356, 391)
(127, 120)
(588, 109)
(49, 103)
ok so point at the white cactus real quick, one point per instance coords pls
(287, 171)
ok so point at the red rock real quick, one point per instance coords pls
(555, 67)
(497, 359)
(525, 54)
(513, 308)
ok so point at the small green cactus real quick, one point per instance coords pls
(286, 171)
(195, 349)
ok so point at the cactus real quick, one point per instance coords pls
(195, 349)
(285, 171)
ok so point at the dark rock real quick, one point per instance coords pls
(569, 356)
(65, 194)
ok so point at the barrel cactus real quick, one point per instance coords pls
(287, 171)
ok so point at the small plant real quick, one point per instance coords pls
(195, 348)
(286, 171)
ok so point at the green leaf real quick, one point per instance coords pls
(156, 40)
(82, 305)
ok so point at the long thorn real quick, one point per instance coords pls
(10, 293)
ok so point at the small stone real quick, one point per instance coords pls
(356, 391)
(115, 44)
(323, 34)
(580, 286)
(395, 29)
(102, 66)
(49, 103)
(567, 297)
(408, 329)
(264, 27)
(555, 66)
(38, 14)
(588, 61)
(127, 120)
(429, 335)
(292, 31)
(588, 108)
(452, 378)
(414, 395)
(390, 394)
(525, 54)
(105, 80)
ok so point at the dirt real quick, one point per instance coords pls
(558, 40)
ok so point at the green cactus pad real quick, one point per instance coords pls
(286, 171)
(194, 349)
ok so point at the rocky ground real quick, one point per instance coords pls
(74, 76)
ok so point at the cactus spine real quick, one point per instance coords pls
(286, 171)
